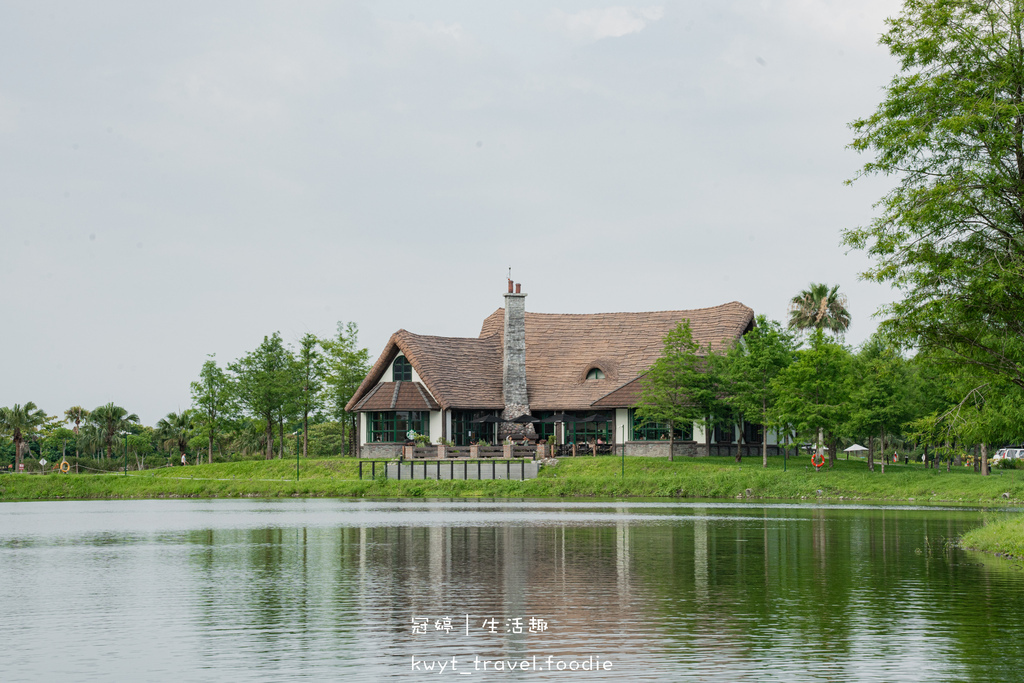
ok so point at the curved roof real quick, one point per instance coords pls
(463, 372)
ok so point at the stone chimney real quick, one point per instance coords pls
(514, 366)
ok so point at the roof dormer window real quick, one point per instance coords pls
(595, 373)
(401, 370)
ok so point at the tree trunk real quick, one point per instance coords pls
(305, 433)
(280, 432)
(209, 458)
(871, 454)
(17, 455)
(984, 459)
(671, 439)
(270, 437)
(881, 448)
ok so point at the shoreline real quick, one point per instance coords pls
(582, 477)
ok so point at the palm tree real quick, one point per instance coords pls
(175, 430)
(76, 414)
(112, 420)
(20, 421)
(91, 439)
(819, 307)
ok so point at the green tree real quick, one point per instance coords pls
(309, 369)
(950, 234)
(819, 308)
(213, 396)
(751, 365)
(76, 414)
(879, 394)
(263, 379)
(20, 422)
(112, 420)
(813, 392)
(174, 431)
(684, 385)
(346, 365)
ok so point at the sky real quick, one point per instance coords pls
(181, 179)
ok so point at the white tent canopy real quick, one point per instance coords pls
(855, 447)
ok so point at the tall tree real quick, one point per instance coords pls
(309, 369)
(263, 378)
(175, 430)
(819, 307)
(76, 414)
(112, 421)
(879, 392)
(20, 422)
(346, 366)
(684, 385)
(751, 365)
(950, 131)
(813, 392)
(214, 399)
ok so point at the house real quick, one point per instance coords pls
(588, 366)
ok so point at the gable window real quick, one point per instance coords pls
(394, 425)
(401, 370)
(595, 373)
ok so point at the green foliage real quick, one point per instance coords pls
(215, 403)
(819, 308)
(326, 440)
(175, 431)
(685, 384)
(20, 422)
(111, 421)
(751, 365)
(346, 366)
(950, 235)
(813, 392)
(263, 378)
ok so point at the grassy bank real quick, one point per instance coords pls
(1003, 536)
(572, 477)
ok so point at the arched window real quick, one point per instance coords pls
(595, 373)
(401, 370)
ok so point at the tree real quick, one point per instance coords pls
(346, 365)
(262, 378)
(76, 414)
(309, 367)
(214, 399)
(752, 364)
(112, 420)
(813, 391)
(951, 232)
(819, 308)
(19, 422)
(684, 385)
(879, 392)
(175, 430)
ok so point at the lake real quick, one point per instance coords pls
(332, 590)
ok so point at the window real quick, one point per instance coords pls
(725, 433)
(657, 431)
(394, 425)
(466, 432)
(583, 432)
(595, 373)
(401, 370)
(752, 433)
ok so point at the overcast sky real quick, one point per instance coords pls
(181, 179)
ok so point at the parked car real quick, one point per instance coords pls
(1008, 453)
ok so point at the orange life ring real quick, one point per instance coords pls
(65, 467)
(817, 459)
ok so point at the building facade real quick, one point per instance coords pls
(586, 366)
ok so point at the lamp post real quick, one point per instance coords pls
(126, 454)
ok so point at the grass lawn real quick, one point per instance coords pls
(1002, 536)
(571, 477)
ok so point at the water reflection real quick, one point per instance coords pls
(329, 589)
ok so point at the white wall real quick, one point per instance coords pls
(621, 420)
(436, 416)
